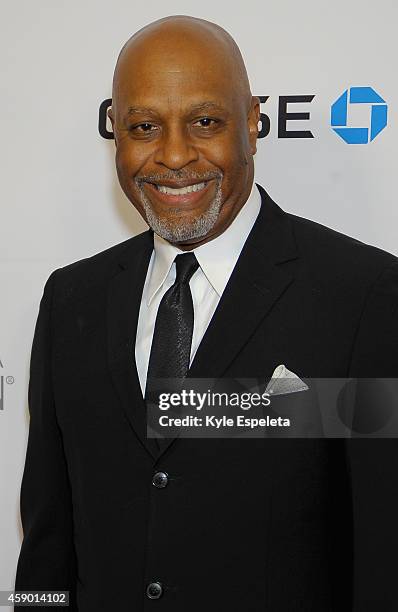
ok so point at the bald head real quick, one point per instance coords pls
(182, 38)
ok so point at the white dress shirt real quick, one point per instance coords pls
(216, 258)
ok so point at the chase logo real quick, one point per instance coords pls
(378, 115)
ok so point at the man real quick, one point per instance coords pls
(224, 284)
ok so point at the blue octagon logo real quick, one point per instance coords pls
(378, 117)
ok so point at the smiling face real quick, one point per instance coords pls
(185, 127)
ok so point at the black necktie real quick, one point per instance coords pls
(172, 336)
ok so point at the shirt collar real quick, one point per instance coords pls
(217, 258)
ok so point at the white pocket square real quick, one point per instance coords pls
(285, 381)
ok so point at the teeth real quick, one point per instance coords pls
(183, 190)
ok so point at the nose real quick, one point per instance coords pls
(175, 149)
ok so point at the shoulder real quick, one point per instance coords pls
(337, 257)
(97, 269)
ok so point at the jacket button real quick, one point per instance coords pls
(154, 590)
(160, 480)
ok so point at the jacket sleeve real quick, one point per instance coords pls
(373, 462)
(47, 559)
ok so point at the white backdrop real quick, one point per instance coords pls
(60, 198)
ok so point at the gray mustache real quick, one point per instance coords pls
(153, 178)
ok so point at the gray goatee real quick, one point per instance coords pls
(182, 230)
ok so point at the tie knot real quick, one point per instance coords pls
(186, 265)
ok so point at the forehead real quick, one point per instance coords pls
(174, 79)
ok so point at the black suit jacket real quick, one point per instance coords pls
(243, 524)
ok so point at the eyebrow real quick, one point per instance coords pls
(200, 107)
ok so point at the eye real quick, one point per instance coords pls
(145, 128)
(207, 121)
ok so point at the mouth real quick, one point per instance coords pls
(188, 193)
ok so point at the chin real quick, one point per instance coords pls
(192, 228)
(179, 234)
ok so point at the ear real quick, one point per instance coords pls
(111, 116)
(252, 121)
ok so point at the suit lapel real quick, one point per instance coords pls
(124, 298)
(258, 280)
(256, 283)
